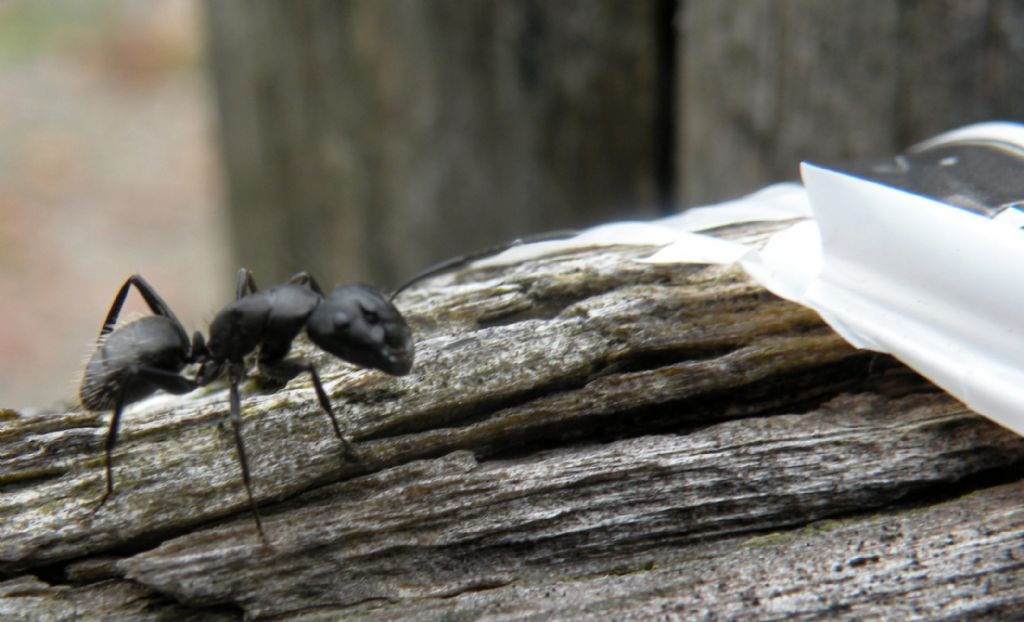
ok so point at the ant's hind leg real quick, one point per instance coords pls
(153, 299)
(168, 381)
(108, 446)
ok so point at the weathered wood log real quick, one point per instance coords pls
(583, 436)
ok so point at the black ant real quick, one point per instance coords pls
(354, 322)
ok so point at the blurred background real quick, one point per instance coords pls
(365, 139)
(108, 166)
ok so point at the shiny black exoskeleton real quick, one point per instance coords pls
(354, 322)
(135, 361)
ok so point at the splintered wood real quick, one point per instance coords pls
(583, 436)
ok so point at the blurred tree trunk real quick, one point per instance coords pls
(367, 138)
(764, 85)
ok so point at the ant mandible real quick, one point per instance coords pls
(354, 322)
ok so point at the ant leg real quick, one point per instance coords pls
(463, 260)
(305, 278)
(286, 369)
(168, 381)
(199, 352)
(246, 284)
(153, 299)
(108, 445)
(115, 309)
(235, 373)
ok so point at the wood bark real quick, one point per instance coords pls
(584, 436)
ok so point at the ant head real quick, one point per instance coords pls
(358, 323)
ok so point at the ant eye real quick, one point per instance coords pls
(371, 317)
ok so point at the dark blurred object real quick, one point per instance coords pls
(366, 139)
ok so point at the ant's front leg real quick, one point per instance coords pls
(284, 370)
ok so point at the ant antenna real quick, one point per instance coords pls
(464, 260)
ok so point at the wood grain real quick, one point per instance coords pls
(583, 434)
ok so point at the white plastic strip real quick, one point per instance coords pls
(937, 287)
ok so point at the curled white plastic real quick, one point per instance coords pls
(937, 287)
